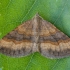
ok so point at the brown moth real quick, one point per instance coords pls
(36, 35)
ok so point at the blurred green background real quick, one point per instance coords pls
(14, 12)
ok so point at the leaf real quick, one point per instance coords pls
(14, 12)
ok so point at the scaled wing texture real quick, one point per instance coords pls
(36, 35)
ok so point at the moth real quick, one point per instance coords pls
(36, 35)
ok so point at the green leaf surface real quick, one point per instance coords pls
(14, 12)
